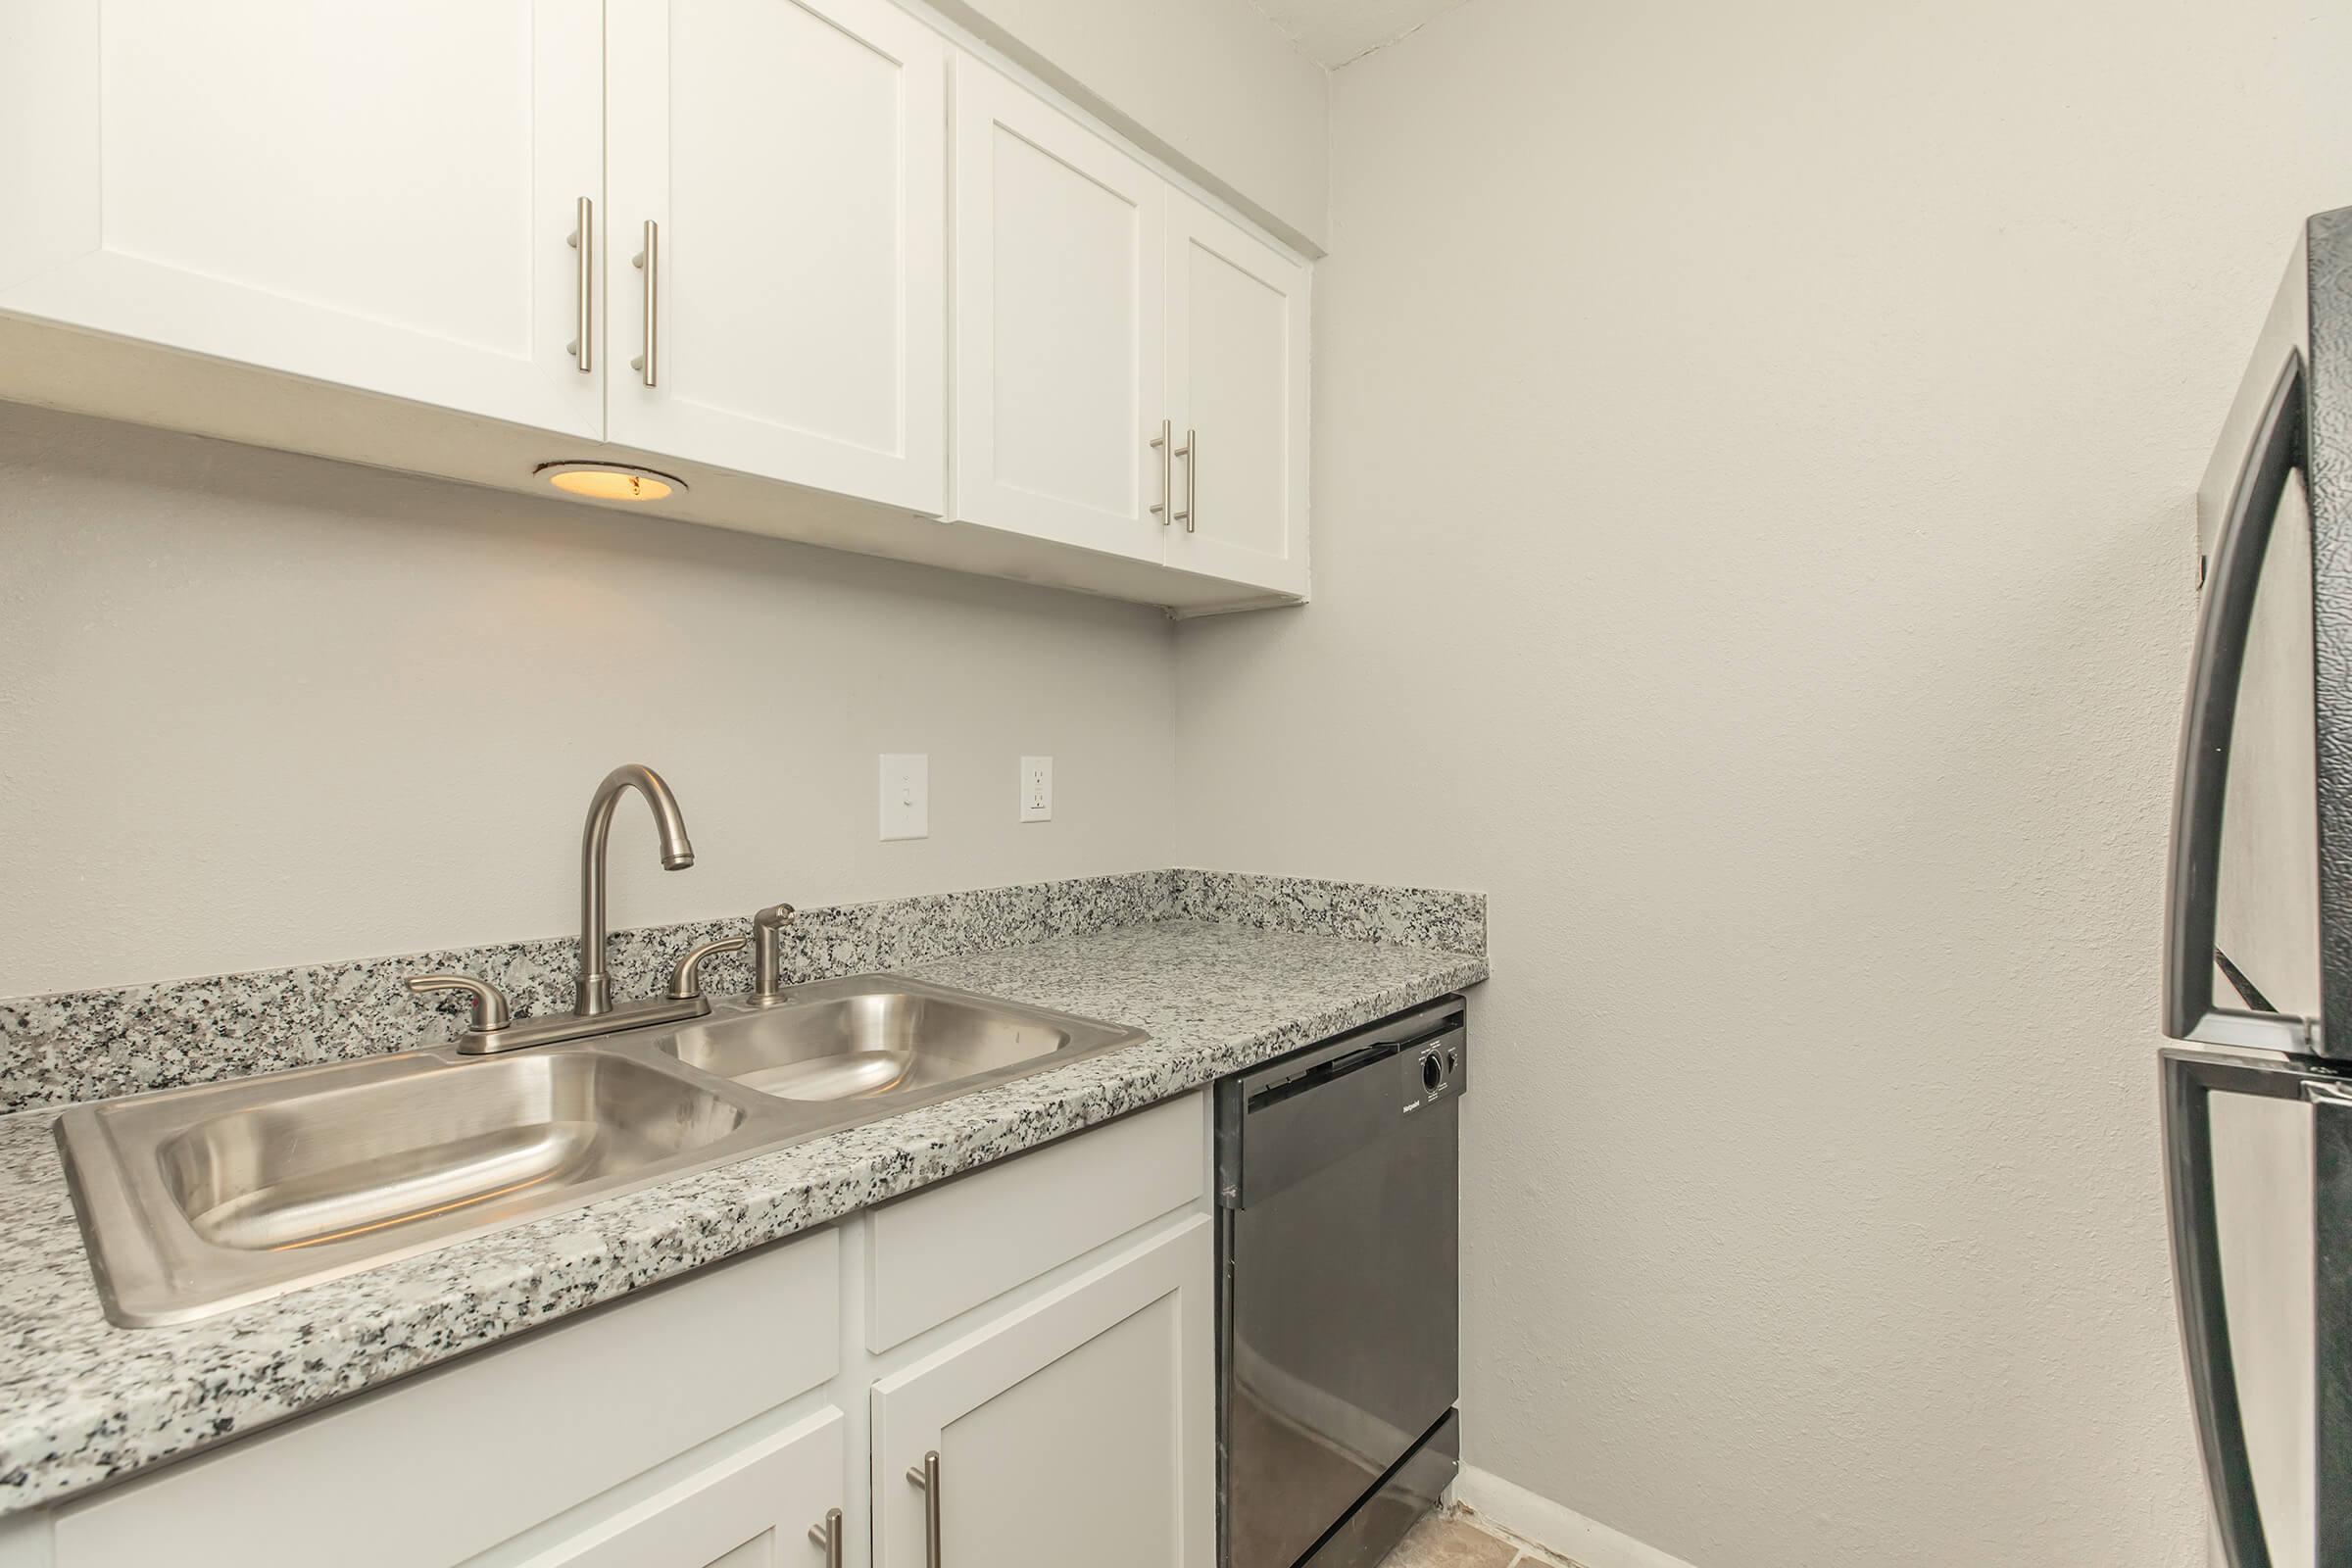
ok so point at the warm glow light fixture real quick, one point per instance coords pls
(610, 481)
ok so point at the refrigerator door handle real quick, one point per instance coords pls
(2193, 883)
(2331, 1317)
(2190, 1080)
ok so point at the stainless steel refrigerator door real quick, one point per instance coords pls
(2259, 1157)
(2258, 929)
(2243, 937)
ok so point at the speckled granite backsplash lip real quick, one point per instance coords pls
(94, 1045)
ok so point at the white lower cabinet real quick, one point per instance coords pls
(765, 1506)
(439, 1469)
(1076, 1430)
(1044, 1325)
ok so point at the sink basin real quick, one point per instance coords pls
(880, 1038)
(199, 1199)
(194, 1201)
(370, 1157)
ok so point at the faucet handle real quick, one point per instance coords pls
(686, 980)
(490, 1009)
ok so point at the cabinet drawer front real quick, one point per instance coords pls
(754, 1509)
(948, 1249)
(432, 1470)
(1077, 1430)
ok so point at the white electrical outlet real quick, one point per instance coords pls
(1037, 789)
(905, 794)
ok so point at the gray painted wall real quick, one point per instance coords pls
(1753, 541)
(263, 709)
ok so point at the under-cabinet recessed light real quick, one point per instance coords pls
(610, 481)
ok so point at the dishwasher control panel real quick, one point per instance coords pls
(1282, 1122)
(1432, 1069)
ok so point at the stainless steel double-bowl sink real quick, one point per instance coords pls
(195, 1200)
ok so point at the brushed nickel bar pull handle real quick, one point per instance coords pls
(926, 1476)
(649, 261)
(1160, 444)
(1192, 480)
(583, 240)
(828, 1536)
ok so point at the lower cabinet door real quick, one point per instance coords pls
(755, 1508)
(1076, 1430)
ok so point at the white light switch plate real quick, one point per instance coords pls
(905, 794)
(1037, 789)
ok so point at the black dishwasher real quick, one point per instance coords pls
(1337, 1321)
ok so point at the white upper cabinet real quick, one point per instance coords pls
(778, 217)
(1092, 302)
(844, 278)
(374, 194)
(1059, 327)
(1236, 397)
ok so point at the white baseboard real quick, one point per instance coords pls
(1541, 1522)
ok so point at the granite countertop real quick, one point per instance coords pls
(82, 1401)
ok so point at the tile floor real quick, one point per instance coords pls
(1457, 1540)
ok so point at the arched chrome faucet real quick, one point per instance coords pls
(593, 1012)
(677, 853)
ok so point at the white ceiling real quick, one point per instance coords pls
(1336, 32)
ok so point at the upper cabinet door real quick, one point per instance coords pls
(1058, 327)
(373, 194)
(1237, 393)
(790, 158)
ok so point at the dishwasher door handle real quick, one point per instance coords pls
(1307, 1080)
